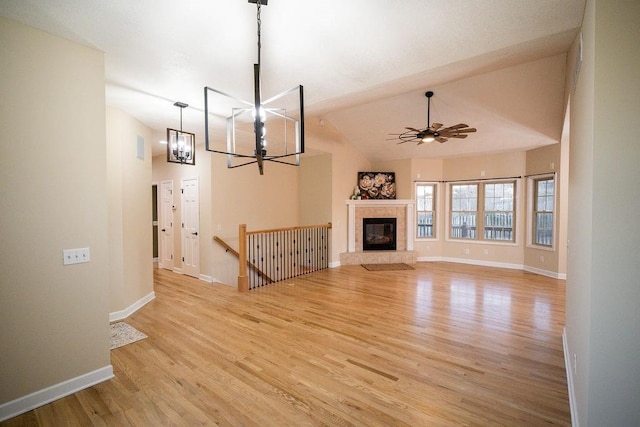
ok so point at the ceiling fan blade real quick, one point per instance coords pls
(441, 139)
(459, 135)
(435, 126)
(414, 129)
(457, 131)
(454, 127)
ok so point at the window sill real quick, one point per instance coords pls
(482, 242)
(541, 248)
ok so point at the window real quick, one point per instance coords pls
(425, 210)
(543, 199)
(498, 211)
(492, 220)
(464, 207)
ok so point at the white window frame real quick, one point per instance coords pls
(436, 216)
(480, 240)
(531, 192)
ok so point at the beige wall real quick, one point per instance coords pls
(315, 189)
(402, 169)
(130, 216)
(54, 196)
(603, 269)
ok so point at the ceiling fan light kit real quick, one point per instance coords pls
(433, 132)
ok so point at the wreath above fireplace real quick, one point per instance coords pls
(377, 185)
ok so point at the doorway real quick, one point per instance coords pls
(190, 227)
(166, 225)
(154, 220)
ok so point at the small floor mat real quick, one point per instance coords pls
(122, 334)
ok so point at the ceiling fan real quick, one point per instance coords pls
(433, 132)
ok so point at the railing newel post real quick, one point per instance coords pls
(243, 279)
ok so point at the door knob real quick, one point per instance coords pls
(163, 230)
(195, 234)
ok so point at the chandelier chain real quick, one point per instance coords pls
(259, 21)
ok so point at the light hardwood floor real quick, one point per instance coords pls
(444, 344)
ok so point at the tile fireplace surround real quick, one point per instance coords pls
(402, 210)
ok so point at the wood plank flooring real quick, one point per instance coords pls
(444, 344)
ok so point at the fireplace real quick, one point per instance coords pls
(379, 234)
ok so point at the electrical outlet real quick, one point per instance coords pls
(75, 256)
(542, 259)
(486, 251)
(466, 251)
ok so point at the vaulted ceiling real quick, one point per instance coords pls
(497, 65)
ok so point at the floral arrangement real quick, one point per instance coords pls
(376, 185)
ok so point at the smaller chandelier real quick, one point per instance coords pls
(181, 146)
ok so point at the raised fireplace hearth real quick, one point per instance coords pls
(379, 234)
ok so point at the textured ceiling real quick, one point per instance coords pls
(497, 65)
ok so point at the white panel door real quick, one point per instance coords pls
(166, 225)
(190, 227)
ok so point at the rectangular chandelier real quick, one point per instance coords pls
(257, 131)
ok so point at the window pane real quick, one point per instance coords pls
(498, 211)
(463, 225)
(498, 225)
(425, 206)
(464, 204)
(543, 212)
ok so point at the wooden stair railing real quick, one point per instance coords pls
(229, 248)
(278, 254)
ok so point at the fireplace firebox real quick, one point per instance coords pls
(379, 234)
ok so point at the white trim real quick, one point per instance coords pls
(429, 259)
(484, 263)
(567, 367)
(334, 264)
(122, 314)
(177, 270)
(530, 207)
(47, 395)
(552, 274)
(517, 211)
(379, 202)
(206, 278)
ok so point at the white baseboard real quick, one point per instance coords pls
(123, 314)
(206, 278)
(42, 397)
(484, 263)
(567, 366)
(177, 270)
(539, 271)
(547, 273)
(429, 259)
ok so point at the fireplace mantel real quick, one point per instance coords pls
(374, 203)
